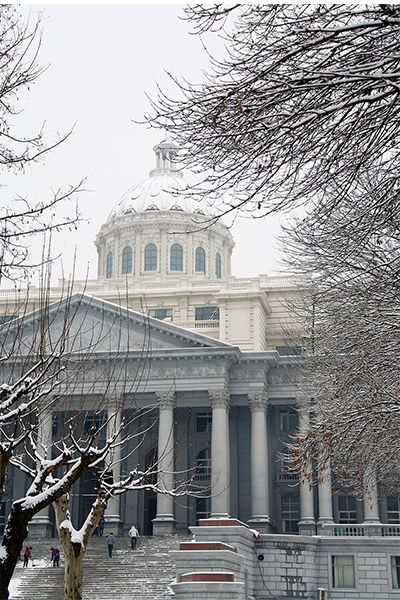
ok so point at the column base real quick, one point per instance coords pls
(306, 527)
(40, 527)
(164, 526)
(262, 523)
(113, 524)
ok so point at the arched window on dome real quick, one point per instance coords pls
(217, 266)
(200, 260)
(127, 260)
(109, 271)
(150, 257)
(176, 257)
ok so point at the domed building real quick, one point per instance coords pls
(218, 402)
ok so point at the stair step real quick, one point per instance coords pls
(130, 574)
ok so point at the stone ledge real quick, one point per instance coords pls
(206, 546)
(206, 576)
(222, 523)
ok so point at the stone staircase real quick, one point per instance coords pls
(144, 573)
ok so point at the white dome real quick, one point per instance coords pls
(162, 190)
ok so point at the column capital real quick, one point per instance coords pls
(258, 401)
(166, 399)
(219, 398)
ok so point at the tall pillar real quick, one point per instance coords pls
(307, 520)
(164, 523)
(371, 510)
(325, 495)
(259, 459)
(220, 458)
(112, 515)
(41, 525)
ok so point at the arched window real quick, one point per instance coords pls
(150, 257)
(200, 260)
(109, 272)
(217, 266)
(127, 260)
(176, 257)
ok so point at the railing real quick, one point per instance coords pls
(214, 324)
(286, 476)
(361, 530)
(143, 283)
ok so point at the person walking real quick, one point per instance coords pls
(110, 543)
(55, 557)
(134, 534)
(27, 555)
(101, 526)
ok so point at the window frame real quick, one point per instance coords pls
(176, 257)
(127, 255)
(218, 270)
(200, 313)
(395, 572)
(200, 260)
(337, 572)
(109, 265)
(150, 257)
(293, 513)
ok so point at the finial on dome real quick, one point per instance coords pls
(166, 153)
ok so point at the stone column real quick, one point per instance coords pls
(259, 458)
(220, 469)
(164, 523)
(307, 520)
(40, 525)
(325, 495)
(112, 515)
(371, 510)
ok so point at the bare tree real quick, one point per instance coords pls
(71, 400)
(20, 218)
(305, 98)
(348, 319)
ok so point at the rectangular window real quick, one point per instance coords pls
(161, 313)
(203, 421)
(343, 575)
(290, 513)
(207, 313)
(288, 350)
(393, 513)
(288, 419)
(395, 564)
(347, 509)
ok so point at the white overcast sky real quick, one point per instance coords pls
(102, 60)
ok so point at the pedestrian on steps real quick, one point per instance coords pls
(55, 557)
(134, 534)
(110, 543)
(27, 555)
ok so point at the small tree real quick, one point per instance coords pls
(20, 218)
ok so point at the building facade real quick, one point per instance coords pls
(219, 399)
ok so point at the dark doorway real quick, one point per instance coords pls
(88, 494)
(150, 511)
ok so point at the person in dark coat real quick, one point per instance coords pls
(110, 543)
(27, 555)
(55, 557)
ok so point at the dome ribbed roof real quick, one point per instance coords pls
(162, 190)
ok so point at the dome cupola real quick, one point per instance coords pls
(156, 230)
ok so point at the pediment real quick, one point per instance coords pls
(83, 322)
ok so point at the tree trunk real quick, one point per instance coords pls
(74, 550)
(73, 556)
(14, 535)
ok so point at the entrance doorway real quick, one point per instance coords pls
(150, 511)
